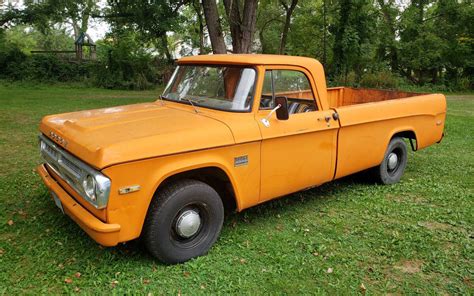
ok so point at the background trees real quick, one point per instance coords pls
(380, 43)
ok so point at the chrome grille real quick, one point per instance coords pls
(74, 172)
(70, 167)
(51, 151)
(62, 163)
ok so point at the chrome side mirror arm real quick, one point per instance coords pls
(265, 120)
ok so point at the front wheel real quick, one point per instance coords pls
(184, 220)
(394, 162)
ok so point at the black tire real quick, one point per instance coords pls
(162, 235)
(387, 173)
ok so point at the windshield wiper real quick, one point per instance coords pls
(192, 104)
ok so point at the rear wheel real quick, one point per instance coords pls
(184, 220)
(394, 162)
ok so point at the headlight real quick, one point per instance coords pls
(89, 186)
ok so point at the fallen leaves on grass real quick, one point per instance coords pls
(114, 283)
(77, 274)
(362, 288)
(243, 261)
(10, 222)
(68, 280)
(330, 270)
(146, 281)
(186, 274)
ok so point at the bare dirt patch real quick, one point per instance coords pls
(410, 266)
(409, 198)
(433, 225)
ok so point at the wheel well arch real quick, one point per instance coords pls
(212, 176)
(410, 135)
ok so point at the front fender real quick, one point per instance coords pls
(129, 210)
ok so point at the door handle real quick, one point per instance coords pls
(327, 118)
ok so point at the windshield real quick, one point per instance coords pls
(216, 87)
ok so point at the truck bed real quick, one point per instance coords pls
(346, 96)
(366, 129)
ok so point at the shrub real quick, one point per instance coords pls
(381, 79)
(11, 60)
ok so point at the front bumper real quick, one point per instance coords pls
(103, 233)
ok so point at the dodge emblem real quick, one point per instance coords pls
(58, 139)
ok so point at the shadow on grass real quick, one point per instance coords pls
(324, 193)
(135, 252)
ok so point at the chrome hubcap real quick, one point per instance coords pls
(188, 223)
(392, 161)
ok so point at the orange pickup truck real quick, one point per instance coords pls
(229, 131)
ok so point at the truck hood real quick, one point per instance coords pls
(104, 137)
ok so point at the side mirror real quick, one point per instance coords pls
(282, 112)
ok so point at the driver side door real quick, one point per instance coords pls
(299, 152)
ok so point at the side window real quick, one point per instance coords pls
(294, 85)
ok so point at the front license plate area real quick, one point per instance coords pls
(57, 201)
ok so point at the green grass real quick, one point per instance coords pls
(412, 237)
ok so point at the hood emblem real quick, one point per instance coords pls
(58, 139)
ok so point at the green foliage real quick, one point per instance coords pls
(383, 79)
(124, 63)
(28, 39)
(16, 62)
(11, 57)
(426, 42)
(151, 20)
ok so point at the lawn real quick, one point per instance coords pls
(346, 237)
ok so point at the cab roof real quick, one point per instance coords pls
(250, 59)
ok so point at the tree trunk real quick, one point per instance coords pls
(214, 26)
(286, 27)
(235, 24)
(197, 9)
(389, 21)
(340, 62)
(324, 33)
(164, 44)
(76, 29)
(249, 21)
(241, 29)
